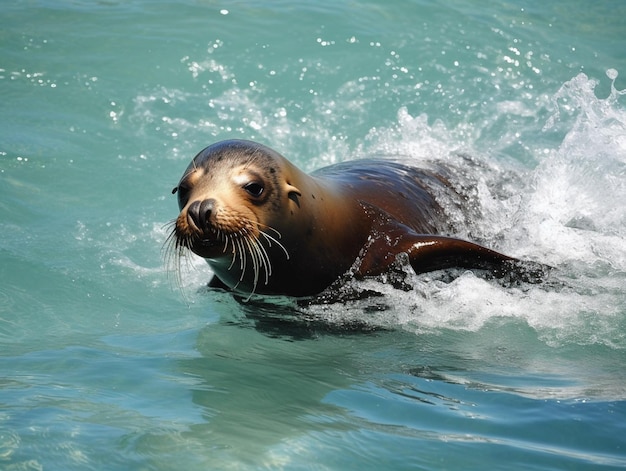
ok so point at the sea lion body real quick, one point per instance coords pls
(266, 227)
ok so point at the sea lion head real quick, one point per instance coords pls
(233, 199)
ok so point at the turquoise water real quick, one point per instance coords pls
(107, 363)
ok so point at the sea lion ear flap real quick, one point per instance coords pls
(293, 194)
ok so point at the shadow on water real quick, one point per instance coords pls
(272, 372)
(264, 376)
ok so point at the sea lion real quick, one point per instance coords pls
(266, 227)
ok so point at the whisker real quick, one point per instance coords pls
(271, 239)
(250, 246)
(264, 259)
(173, 251)
(265, 226)
(225, 238)
(250, 243)
(242, 258)
(262, 230)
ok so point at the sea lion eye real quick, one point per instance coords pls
(183, 194)
(254, 188)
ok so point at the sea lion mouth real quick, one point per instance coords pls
(198, 234)
(248, 249)
(207, 244)
(208, 247)
(185, 236)
(211, 243)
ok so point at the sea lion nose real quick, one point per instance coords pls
(200, 213)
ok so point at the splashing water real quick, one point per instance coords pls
(568, 212)
(565, 210)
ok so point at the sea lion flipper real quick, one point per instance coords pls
(429, 253)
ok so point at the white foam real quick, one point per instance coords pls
(568, 211)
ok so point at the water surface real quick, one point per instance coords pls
(105, 363)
